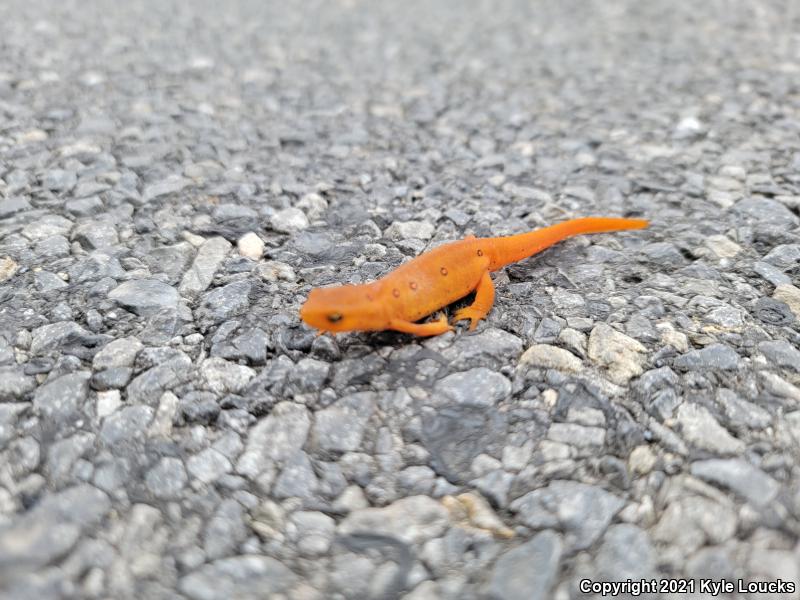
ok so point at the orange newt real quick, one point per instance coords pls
(437, 278)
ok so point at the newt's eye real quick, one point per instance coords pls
(335, 317)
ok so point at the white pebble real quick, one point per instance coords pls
(250, 246)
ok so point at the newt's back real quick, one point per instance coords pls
(435, 279)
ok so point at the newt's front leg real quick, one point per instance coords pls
(422, 329)
(484, 299)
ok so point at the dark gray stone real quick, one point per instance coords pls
(225, 531)
(170, 260)
(785, 256)
(46, 226)
(95, 267)
(145, 297)
(118, 353)
(200, 407)
(62, 400)
(59, 180)
(14, 384)
(665, 254)
(168, 186)
(455, 435)
(208, 259)
(341, 426)
(738, 475)
(89, 188)
(582, 511)
(94, 320)
(547, 331)
(46, 281)
(52, 248)
(492, 348)
(248, 577)
(253, 345)
(771, 273)
(741, 413)
(233, 212)
(275, 438)
(12, 206)
(496, 486)
(61, 312)
(84, 207)
(781, 353)
(479, 386)
(51, 528)
(766, 211)
(222, 376)
(297, 479)
(96, 235)
(411, 520)
(325, 348)
(150, 384)
(314, 532)
(626, 552)
(127, 424)
(49, 338)
(352, 372)
(62, 456)
(309, 375)
(23, 456)
(162, 326)
(226, 302)
(528, 572)
(715, 356)
(114, 378)
(208, 465)
(167, 478)
(6, 353)
(113, 473)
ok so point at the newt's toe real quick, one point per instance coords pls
(461, 314)
(467, 313)
(442, 320)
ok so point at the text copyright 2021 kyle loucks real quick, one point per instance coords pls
(713, 587)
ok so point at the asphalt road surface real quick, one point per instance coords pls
(175, 177)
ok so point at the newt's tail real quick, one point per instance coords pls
(510, 249)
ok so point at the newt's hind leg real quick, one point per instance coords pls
(484, 299)
(423, 329)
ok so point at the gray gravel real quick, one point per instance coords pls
(175, 177)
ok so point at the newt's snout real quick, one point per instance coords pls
(314, 312)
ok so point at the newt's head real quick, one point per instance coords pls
(344, 308)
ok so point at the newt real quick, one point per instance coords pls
(438, 278)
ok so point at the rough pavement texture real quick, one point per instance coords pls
(175, 176)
